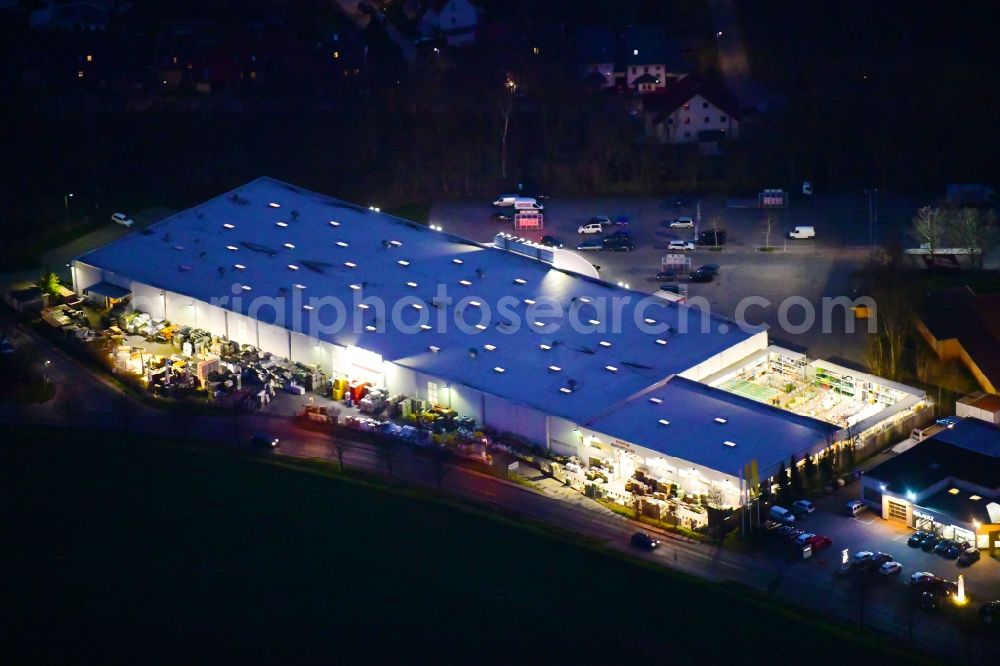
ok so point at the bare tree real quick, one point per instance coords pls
(973, 230)
(340, 446)
(439, 466)
(385, 448)
(929, 226)
(716, 498)
(768, 227)
(506, 108)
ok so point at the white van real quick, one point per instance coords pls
(527, 203)
(782, 515)
(505, 200)
(920, 434)
(590, 228)
(803, 232)
(854, 507)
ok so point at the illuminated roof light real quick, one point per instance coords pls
(307, 307)
(539, 324)
(719, 419)
(411, 284)
(490, 347)
(425, 327)
(465, 283)
(239, 267)
(246, 287)
(403, 262)
(565, 389)
(229, 226)
(554, 368)
(611, 368)
(282, 224)
(529, 301)
(416, 306)
(299, 285)
(370, 328)
(475, 304)
(584, 299)
(604, 343)
(334, 223)
(649, 320)
(363, 306)
(341, 244)
(954, 491)
(975, 498)
(499, 370)
(274, 205)
(481, 327)
(595, 322)
(434, 348)
(661, 341)
(232, 247)
(355, 286)
(350, 264)
(656, 401)
(520, 281)
(544, 347)
(395, 243)
(289, 246)
(729, 443)
(457, 261)
(664, 422)
(293, 267)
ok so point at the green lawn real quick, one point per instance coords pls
(154, 551)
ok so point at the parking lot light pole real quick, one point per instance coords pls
(872, 215)
(66, 198)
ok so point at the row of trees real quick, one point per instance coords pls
(813, 474)
(967, 228)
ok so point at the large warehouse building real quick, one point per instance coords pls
(501, 333)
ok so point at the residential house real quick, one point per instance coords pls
(695, 109)
(652, 62)
(595, 55)
(456, 21)
(961, 325)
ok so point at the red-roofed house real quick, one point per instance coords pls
(691, 110)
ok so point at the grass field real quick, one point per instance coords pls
(159, 552)
(750, 390)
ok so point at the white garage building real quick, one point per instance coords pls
(495, 332)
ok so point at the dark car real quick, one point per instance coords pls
(620, 241)
(940, 587)
(712, 237)
(930, 542)
(878, 559)
(990, 611)
(620, 233)
(916, 539)
(551, 241)
(621, 220)
(502, 217)
(942, 546)
(701, 276)
(968, 557)
(261, 441)
(957, 549)
(928, 600)
(644, 541)
(670, 275)
(625, 246)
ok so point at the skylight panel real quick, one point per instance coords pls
(604, 343)
(227, 225)
(282, 224)
(233, 248)
(293, 267)
(499, 370)
(611, 368)
(729, 443)
(457, 261)
(664, 422)
(520, 281)
(239, 267)
(720, 420)
(403, 262)
(342, 243)
(412, 285)
(289, 246)
(274, 205)
(490, 347)
(656, 401)
(350, 264)
(565, 389)
(334, 223)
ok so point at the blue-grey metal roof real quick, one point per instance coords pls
(753, 430)
(975, 435)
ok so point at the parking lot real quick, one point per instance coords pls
(869, 532)
(812, 269)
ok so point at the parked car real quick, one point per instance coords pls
(990, 611)
(878, 559)
(948, 421)
(712, 237)
(942, 588)
(602, 220)
(802, 232)
(670, 274)
(781, 514)
(862, 557)
(820, 542)
(682, 222)
(890, 568)
(123, 219)
(502, 217)
(930, 542)
(621, 220)
(804, 538)
(920, 578)
(793, 534)
(928, 601)
(620, 233)
(262, 441)
(957, 549)
(590, 228)
(968, 557)
(713, 269)
(505, 200)
(805, 505)
(916, 539)
(771, 525)
(644, 541)
(551, 241)
(786, 531)
(618, 244)
(683, 246)
(588, 245)
(854, 507)
(942, 546)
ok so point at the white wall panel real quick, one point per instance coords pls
(147, 299)
(242, 329)
(273, 339)
(507, 416)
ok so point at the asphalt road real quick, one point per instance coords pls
(810, 584)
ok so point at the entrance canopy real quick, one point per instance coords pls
(108, 290)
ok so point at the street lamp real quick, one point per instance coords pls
(872, 192)
(66, 198)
